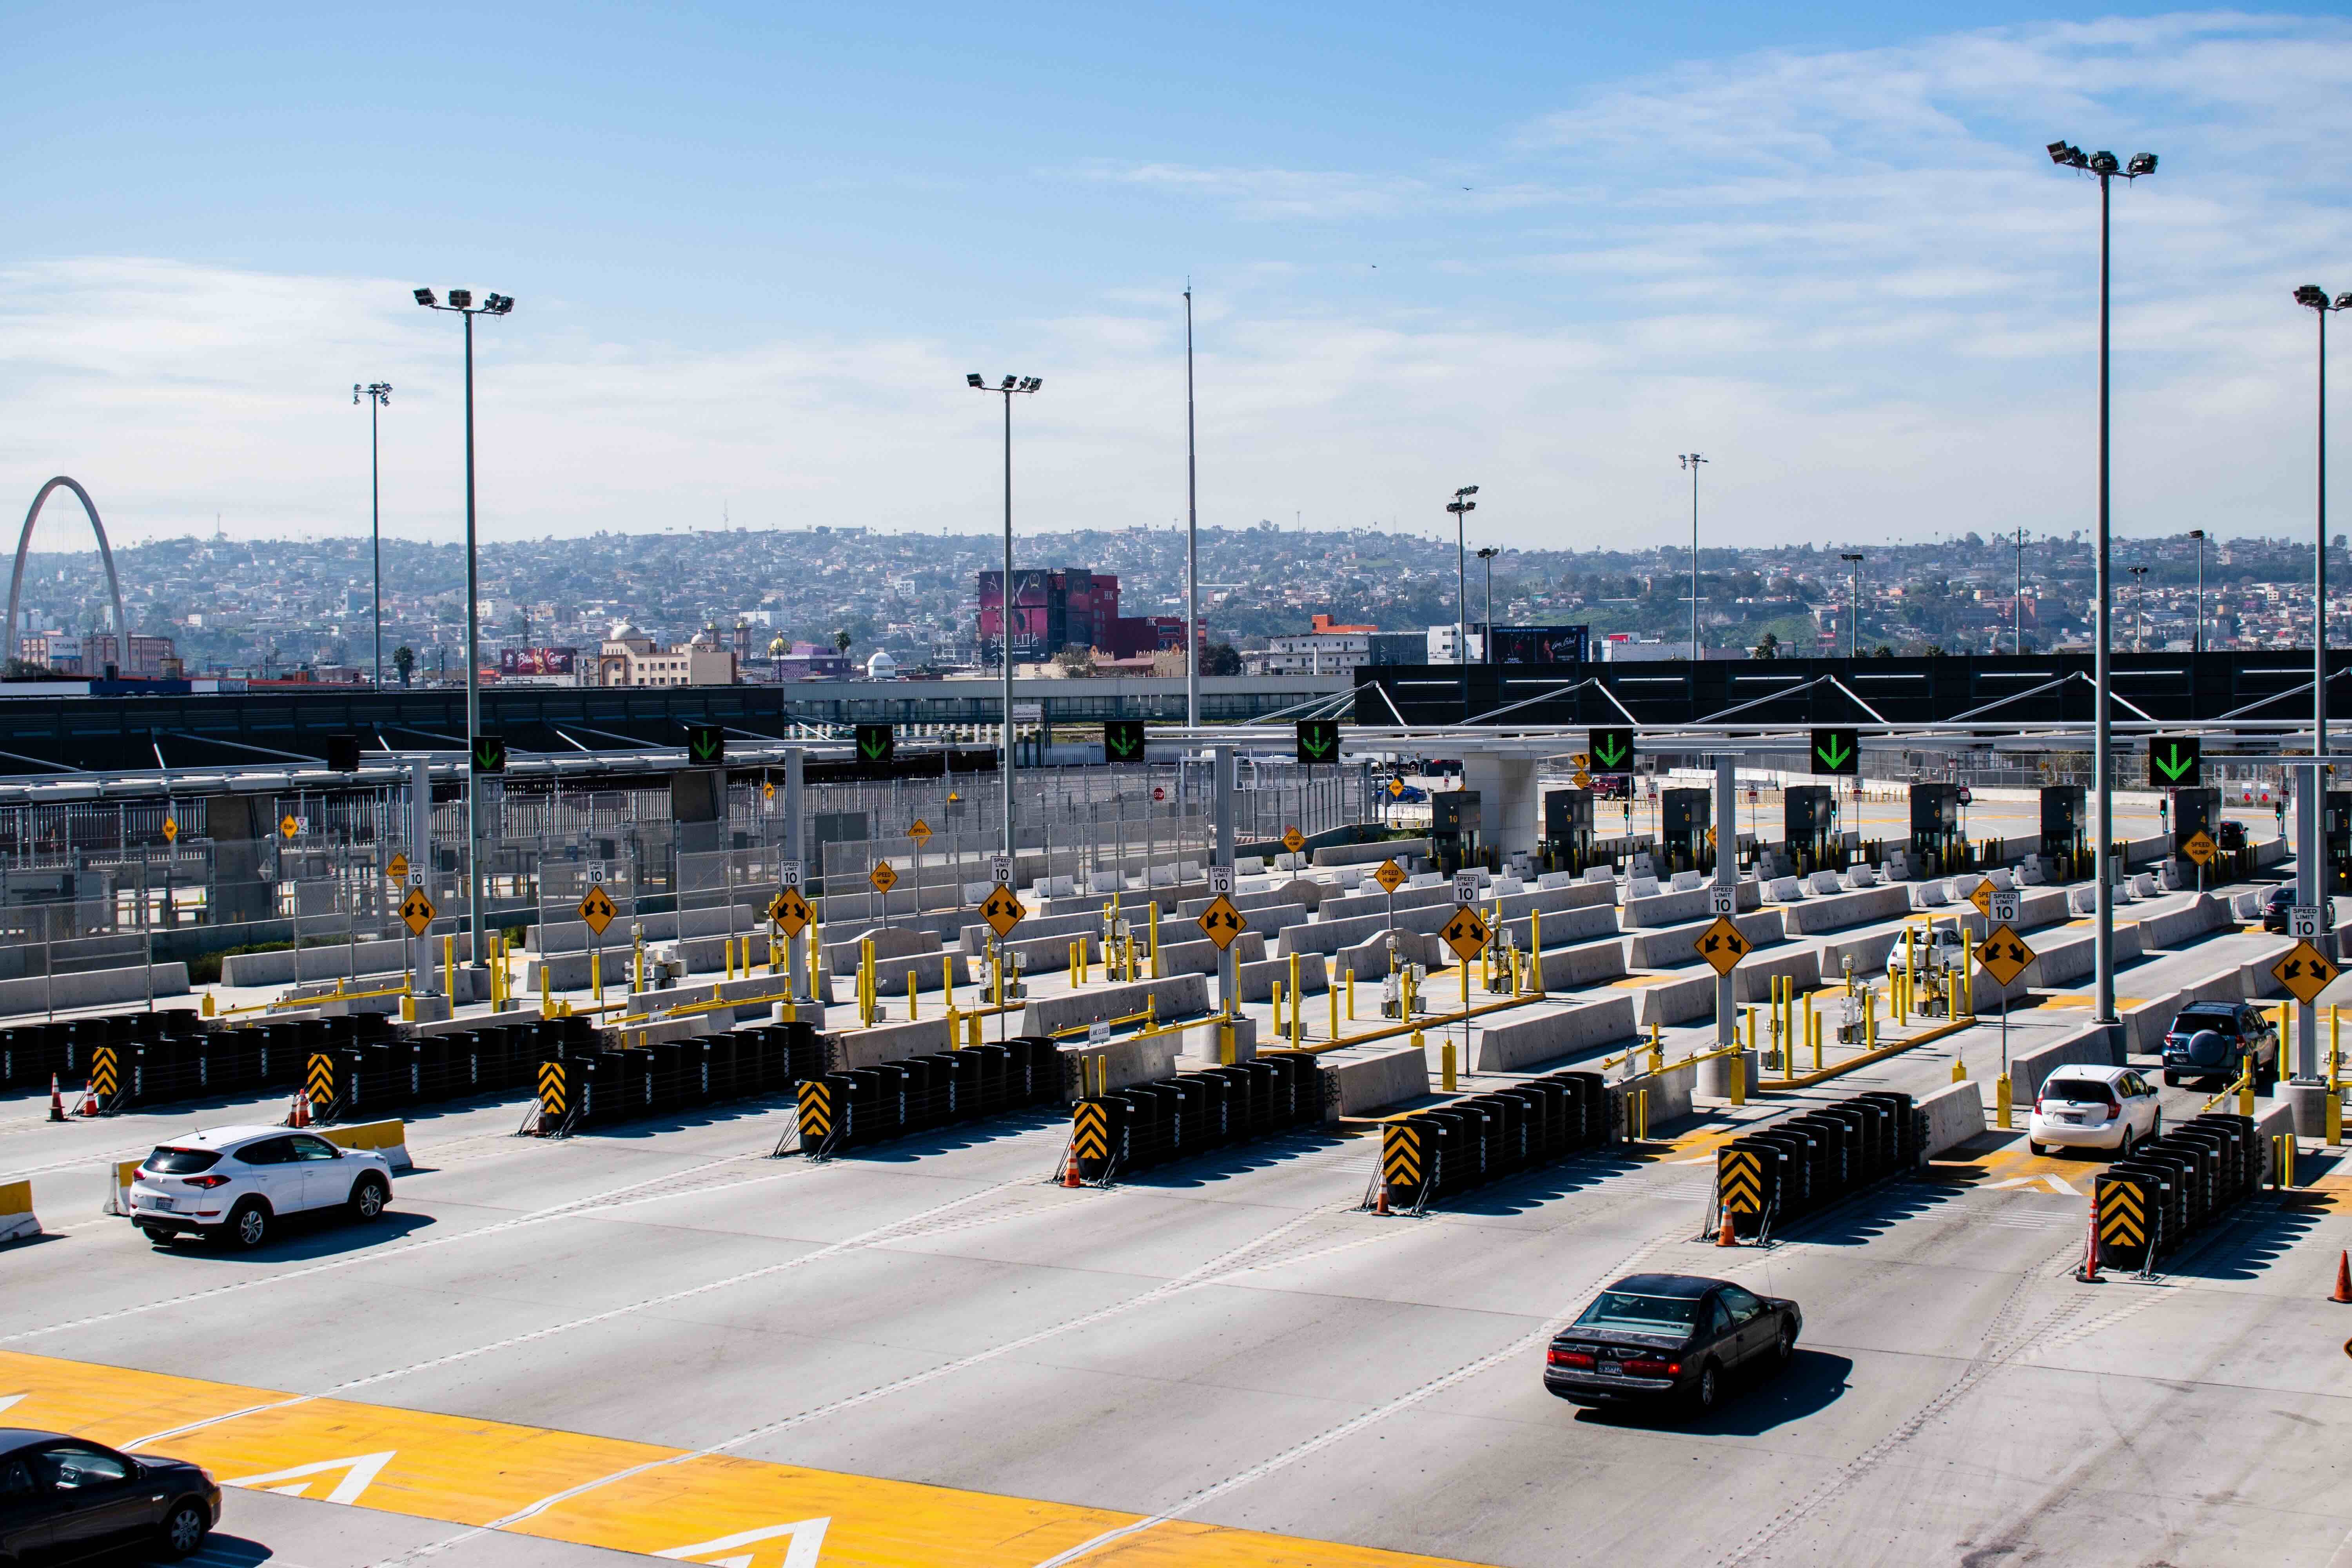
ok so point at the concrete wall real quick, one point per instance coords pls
(322, 962)
(1671, 947)
(1670, 1099)
(1811, 916)
(1954, 1114)
(91, 988)
(572, 936)
(1555, 1035)
(1672, 909)
(1200, 957)
(1116, 1064)
(1675, 1001)
(1868, 952)
(1370, 854)
(1256, 980)
(1362, 1079)
(2027, 1070)
(889, 942)
(1587, 963)
(849, 1048)
(1178, 996)
(755, 996)
(1328, 936)
(1377, 902)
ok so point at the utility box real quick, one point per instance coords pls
(1455, 838)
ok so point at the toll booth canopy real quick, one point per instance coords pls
(1567, 829)
(1684, 818)
(1455, 839)
(1937, 847)
(1809, 826)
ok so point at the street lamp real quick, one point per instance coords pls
(1853, 606)
(1013, 385)
(2139, 612)
(2197, 633)
(2307, 877)
(1691, 460)
(1487, 643)
(2017, 604)
(376, 394)
(461, 303)
(1462, 506)
(2066, 155)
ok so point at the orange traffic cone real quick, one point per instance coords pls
(1380, 1199)
(301, 1115)
(2089, 1273)
(2343, 1279)
(57, 1100)
(1725, 1236)
(1070, 1170)
(88, 1104)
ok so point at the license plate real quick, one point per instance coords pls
(143, 1202)
(1609, 1369)
(2063, 1117)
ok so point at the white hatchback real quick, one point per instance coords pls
(2094, 1107)
(237, 1182)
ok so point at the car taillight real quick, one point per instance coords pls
(1569, 1358)
(1653, 1366)
(2114, 1109)
(2037, 1105)
(207, 1182)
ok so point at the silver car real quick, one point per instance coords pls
(237, 1182)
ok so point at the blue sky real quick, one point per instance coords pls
(1542, 249)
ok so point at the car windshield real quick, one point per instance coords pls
(2190, 1019)
(169, 1161)
(2076, 1090)
(1643, 1315)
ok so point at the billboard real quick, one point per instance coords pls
(537, 660)
(1540, 644)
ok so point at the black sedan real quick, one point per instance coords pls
(1668, 1337)
(63, 1499)
(2281, 901)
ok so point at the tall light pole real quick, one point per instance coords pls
(1691, 460)
(375, 394)
(1853, 606)
(2017, 604)
(1013, 385)
(1462, 506)
(461, 303)
(2139, 607)
(1192, 537)
(2066, 155)
(1487, 643)
(2197, 633)
(2310, 888)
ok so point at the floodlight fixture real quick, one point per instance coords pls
(2141, 163)
(2312, 295)
(425, 296)
(973, 379)
(2106, 162)
(1467, 490)
(1010, 381)
(462, 298)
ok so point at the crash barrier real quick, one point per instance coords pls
(1148, 1124)
(1801, 1164)
(1451, 1148)
(389, 1139)
(2155, 1198)
(594, 1083)
(367, 1076)
(31, 1053)
(16, 1216)
(844, 1110)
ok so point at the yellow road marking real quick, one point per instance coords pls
(1639, 982)
(707, 1507)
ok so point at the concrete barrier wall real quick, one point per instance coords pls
(974, 938)
(572, 936)
(322, 962)
(1118, 1064)
(91, 988)
(2270, 1121)
(1751, 982)
(2090, 1046)
(2062, 962)
(1586, 963)
(846, 1049)
(1868, 952)
(1675, 1001)
(1329, 936)
(755, 996)
(1370, 854)
(1670, 1099)
(1671, 947)
(889, 942)
(1673, 909)
(1552, 1035)
(1813, 916)
(1362, 1079)
(1954, 1114)
(1200, 957)
(1177, 995)
(1377, 902)
(1256, 980)
(2203, 913)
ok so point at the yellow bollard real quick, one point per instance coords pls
(1739, 1078)
(1751, 1028)
(1331, 994)
(1445, 1055)
(914, 1009)
(1535, 951)
(1351, 996)
(1658, 1047)
(972, 1024)
(1812, 1037)
(2287, 1150)
(2334, 1118)
(1295, 989)
(2001, 1099)
(947, 992)
(1869, 1019)
(1960, 1070)
(1225, 1044)
(1641, 1113)
(1152, 940)
(1277, 1005)
(2246, 1088)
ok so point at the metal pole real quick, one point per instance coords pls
(2310, 856)
(473, 681)
(1220, 784)
(2017, 604)
(375, 530)
(2196, 632)
(1726, 877)
(1192, 537)
(1007, 627)
(2102, 761)
(801, 991)
(1694, 468)
(1486, 642)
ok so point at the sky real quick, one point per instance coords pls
(1544, 249)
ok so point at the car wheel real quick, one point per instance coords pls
(156, 1235)
(2034, 1148)
(368, 1198)
(2124, 1144)
(184, 1528)
(2171, 1079)
(1784, 1349)
(248, 1225)
(1702, 1396)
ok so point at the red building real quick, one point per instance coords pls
(1065, 606)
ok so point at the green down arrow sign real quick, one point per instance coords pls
(1836, 751)
(1611, 750)
(2174, 762)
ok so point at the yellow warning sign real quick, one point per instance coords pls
(2122, 1213)
(2004, 955)
(883, 877)
(816, 1110)
(1722, 945)
(417, 910)
(398, 869)
(768, 790)
(1293, 840)
(1223, 921)
(290, 826)
(1982, 898)
(1401, 1152)
(2201, 847)
(790, 912)
(1396, 789)
(1002, 910)
(1090, 1131)
(171, 829)
(597, 909)
(102, 1070)
(1583, 779)
(1739, 1180)
(1391, 876)
(2306, 972)
(1465, 933)
(550, 1088)
(319, 1083)
(921, 832)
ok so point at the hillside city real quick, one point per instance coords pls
(674, 607)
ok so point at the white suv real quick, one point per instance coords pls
(2094, 1107)
(235, 1182)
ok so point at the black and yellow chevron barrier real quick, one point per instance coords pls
(2123, 1222)
(1090, 1140)
(553, 1098)
(1739, 1177)
(816, 1113)
(319, 1081)
(105, 1075)
(1402, 1164)
(1433, 1153)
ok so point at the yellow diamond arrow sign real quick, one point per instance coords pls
(1465, 933)
(2201, 847)
(1722, 945)
(1396, 788)
(2004, 955)
(790, 912)
(2306, 972)
(1583, 780)
(398, 869)
(291, 827)
(1002, 911)
(1391, 876)
(417, 910)
(1222, 921)
(597, 909)
(171, 829)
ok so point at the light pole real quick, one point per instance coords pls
(2066, 155)
(1853, 606)
(1691, 460)
(1192, 537)
(2017, 604)
(2197, 633)
(461, 302)
(376, 394)
(1462, 506)
(1013, 384)
(2139, 611)
(2309, 888)
(1486, 642)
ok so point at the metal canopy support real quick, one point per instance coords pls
(1726, 876)
(2310, 888)
(420, 861)
(1221, 787)
(802, 988)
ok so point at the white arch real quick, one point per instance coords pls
(105, 556)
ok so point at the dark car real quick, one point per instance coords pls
(2230, 836)
(62, 1499)
(2212, 1039)
(1668, 1337)
(2281, 900)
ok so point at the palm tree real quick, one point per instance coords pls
(841, 642)
(403, 659)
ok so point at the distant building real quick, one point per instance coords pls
(1325, 649)
(152, 658)
(628, 658)
(808, 662)
(1067, 606)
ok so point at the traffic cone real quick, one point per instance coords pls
(1070, 1170)
(2343, 1291)
(301, 1115)
(2089, 1273)
(88, 1105)
(57, 1100)
(1725, 1236)
(1380, 1199)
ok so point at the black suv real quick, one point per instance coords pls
(2236, 1027)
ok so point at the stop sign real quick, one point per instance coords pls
(1158, 793)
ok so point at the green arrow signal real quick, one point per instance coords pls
(871, 745)
(2176, 764)
(1122, 742)
(1609, 752)
(1314, 742)
(706, 747)
(488, 755)
(1834, 755)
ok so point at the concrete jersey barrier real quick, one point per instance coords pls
(1555, 1036)
(1673, 909)
(1952, 1115)
(1671, 947)
(1174, 997)
(16, 1218)
(2029, 1070)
